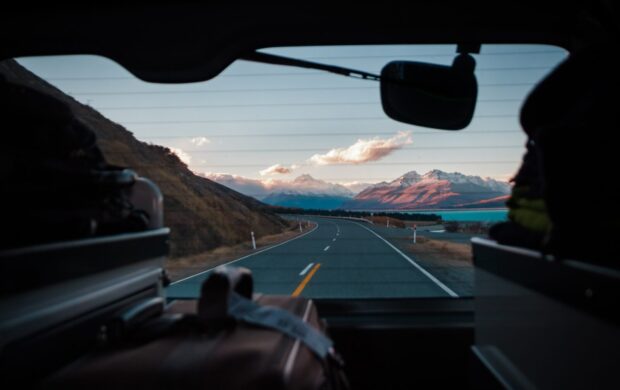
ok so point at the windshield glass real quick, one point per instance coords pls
(298, 175)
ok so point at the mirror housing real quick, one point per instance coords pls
(430, 95)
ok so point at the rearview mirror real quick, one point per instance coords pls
(430, 95)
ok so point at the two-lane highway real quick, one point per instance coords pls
(337, 259)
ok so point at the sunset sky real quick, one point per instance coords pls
(272, 122)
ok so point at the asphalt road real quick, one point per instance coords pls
(337, 259)
(455, 272)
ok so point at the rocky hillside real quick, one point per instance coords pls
(433, 190)
(202, 214)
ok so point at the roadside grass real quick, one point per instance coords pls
(467, 227)
(398, 223)
(181, 267)
(382, 221)
(438, 250)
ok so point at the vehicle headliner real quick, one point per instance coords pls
(175, 43)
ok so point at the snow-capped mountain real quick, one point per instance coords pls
(309, 193)
(302, 185)
(251, 187)
(306, 184)
(304, 191)
(434, 189)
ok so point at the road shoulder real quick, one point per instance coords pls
(183, 267)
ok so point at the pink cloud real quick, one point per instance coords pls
(364, 150)
(277, 169)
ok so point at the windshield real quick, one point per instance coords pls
(298, 174)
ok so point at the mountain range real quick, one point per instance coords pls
(433, 190)
(302, 192)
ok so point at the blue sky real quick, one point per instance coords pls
(254, 116)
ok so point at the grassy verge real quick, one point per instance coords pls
(399, 223)
(439, 250)
(383, 221)
(468, 227)
(182, 267)
(450, 262)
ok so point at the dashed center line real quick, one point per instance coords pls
(326, 248)
(333, 240)
(304, 282)
(305, 270)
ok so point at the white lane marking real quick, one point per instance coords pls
(425, 272)
(251, 254)
(333, 240)
(326, 248)
(438, 231)
(302, 273)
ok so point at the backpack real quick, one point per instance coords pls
(56, 184)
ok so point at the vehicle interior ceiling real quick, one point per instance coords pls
(189, 43)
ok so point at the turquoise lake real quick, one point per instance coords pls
(469, 215)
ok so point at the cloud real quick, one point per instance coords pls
(186, 158)
(277, 169)
(199, 141)
(364, 150)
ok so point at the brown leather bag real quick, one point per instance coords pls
(198, 344)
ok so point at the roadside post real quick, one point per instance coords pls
(253, 241)
(387, 224)
(300, 228)
(415, 228)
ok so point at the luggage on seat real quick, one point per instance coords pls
(56, 183)
(224, 340)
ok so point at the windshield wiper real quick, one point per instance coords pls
(280, 60)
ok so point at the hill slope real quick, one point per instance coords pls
(201, 214)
